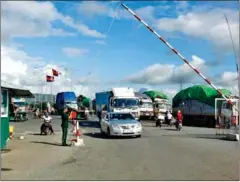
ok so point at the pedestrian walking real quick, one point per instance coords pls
(64, 125)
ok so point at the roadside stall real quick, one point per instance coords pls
(8, 91)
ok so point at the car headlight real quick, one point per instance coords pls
(139, 125)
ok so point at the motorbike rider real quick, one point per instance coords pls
(179, 117)
(37, 113)
(169, 117)
(47, 123)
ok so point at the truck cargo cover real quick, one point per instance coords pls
(155, 94)
(141, 95)
(84, 100)
(201, 93)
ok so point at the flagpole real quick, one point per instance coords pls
(51, 92)
(42, 97)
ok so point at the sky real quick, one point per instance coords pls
(97, 45)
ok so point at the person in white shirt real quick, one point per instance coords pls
(47, 123)
(169, 117)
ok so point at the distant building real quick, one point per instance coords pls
(42, 98)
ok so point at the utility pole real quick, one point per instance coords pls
(234, 50)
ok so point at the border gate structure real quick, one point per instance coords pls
(224, 122)
(180, 55)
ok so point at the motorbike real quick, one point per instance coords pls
(45, 127)
(159, 120)
(21, 116)
(178, 125)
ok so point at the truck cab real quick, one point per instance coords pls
(20, 103)
(146, 108)
(161, 106)
(66, 99)
(118, 100)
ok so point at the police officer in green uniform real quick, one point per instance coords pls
(64, 126)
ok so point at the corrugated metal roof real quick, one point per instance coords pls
(16, 90)
(6, 84)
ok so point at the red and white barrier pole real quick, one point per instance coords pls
(184, 59)
(175, 51)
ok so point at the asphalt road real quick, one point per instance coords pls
(161, 154)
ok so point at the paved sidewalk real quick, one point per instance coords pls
(34, 153)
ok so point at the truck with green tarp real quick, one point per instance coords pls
(160, 104)
(197, 103)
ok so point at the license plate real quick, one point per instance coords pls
(147, 114)
(127, 131)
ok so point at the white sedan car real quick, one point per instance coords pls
(120, 124)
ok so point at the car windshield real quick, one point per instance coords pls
(19, 104)
(121, 116)
(125, 102)
(147, 105)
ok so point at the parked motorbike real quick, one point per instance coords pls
(21, 116)
(178, 125)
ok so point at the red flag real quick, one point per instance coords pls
(55, 72)
(50, 78)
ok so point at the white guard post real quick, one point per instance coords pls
(74, 126)
(79, 141)
(219, 118)
(225, 125)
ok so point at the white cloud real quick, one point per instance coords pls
(206, 24)
(19, 68)
(229, 76)
(35, 19)
(101, 42)
(91, 8)
(90, 79)
(168, 74)
(73, 52)
(97, 8)
(182, 6)
(84, 29)
(228, 80)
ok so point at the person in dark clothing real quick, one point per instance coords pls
(99, 113)
(64, 125)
